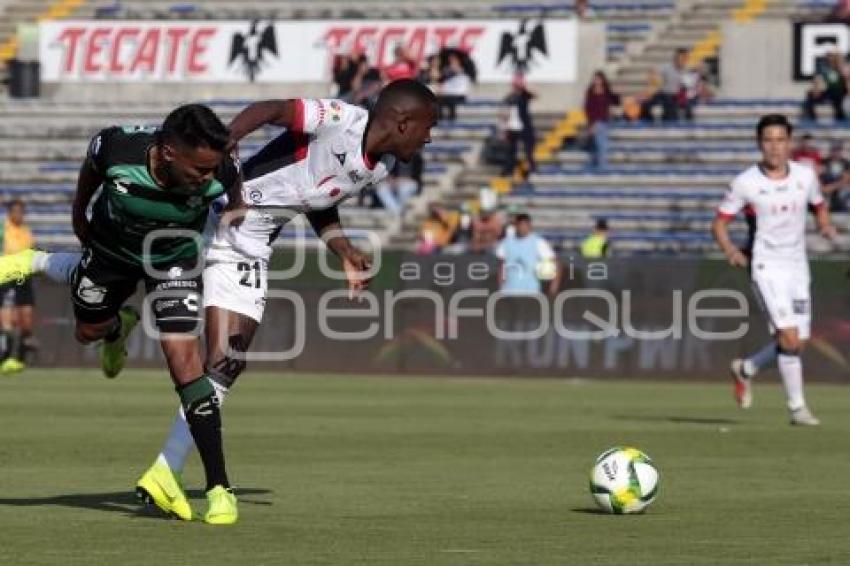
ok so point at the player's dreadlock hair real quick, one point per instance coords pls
(194, 125)
(773, 120)
(403, 92)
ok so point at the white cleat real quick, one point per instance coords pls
(743, 384)
(804, 417)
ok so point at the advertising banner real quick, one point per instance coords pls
(813, 41)
(131, 51)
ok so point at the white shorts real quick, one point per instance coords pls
(784, 296)
(237, 286)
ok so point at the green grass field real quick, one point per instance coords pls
(373, 471)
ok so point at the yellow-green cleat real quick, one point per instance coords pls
(12, 365)
(113, 355)
(16, 268)
(222, 507)
(162, 487)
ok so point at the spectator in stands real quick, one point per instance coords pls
(583, 10)
(349, 72)
(455, 84)
(526, 261)
(595, 246)
(841, 11)
(17, 298)
(519, 126)
(438, 230)
(666, 85)
(488, 226)
(402, 67)
(694, 90)
(403, 183)
(807, 154)
(835, 178)
(597, 107)
(829, 86)
(430, 73)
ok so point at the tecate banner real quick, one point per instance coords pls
(281, 52)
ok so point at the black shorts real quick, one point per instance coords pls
(14, 295)
(100, 286)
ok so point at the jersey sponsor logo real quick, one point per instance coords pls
(162, 305)
(255, 196)
(335, 111)
(175, 272)
(355, 177)
(122, 186)
(252, 50)
(192, 301)
(800, 306)
(90, 293)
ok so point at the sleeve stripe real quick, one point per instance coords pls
(298, 126)
(725, 216)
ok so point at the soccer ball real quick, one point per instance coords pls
(624, 480)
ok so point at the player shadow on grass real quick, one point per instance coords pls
(677, 419)
(123, 501)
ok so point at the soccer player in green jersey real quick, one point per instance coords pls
(146, 223)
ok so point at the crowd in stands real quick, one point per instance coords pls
(829, 86)
(672, 91)
(483, 229)
(833, 169)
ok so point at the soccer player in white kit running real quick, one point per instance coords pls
(329, 152)
(779, 192)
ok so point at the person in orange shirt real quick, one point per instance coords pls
(17, 298)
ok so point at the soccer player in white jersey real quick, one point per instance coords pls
(329, 152)
(779, 193)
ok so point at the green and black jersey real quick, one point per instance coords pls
(131, 206)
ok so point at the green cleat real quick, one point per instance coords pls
(222, 507)
(113, 355)
(162, 487)
(16, 268)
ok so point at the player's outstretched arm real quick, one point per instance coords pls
(720, 231)
(272, 112)
(88, 181)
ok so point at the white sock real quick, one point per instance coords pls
(57, 266)
(760, 360)
(791, 370)
(180, 442)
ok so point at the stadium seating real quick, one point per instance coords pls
(658, 195)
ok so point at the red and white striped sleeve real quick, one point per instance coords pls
(312, 115)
